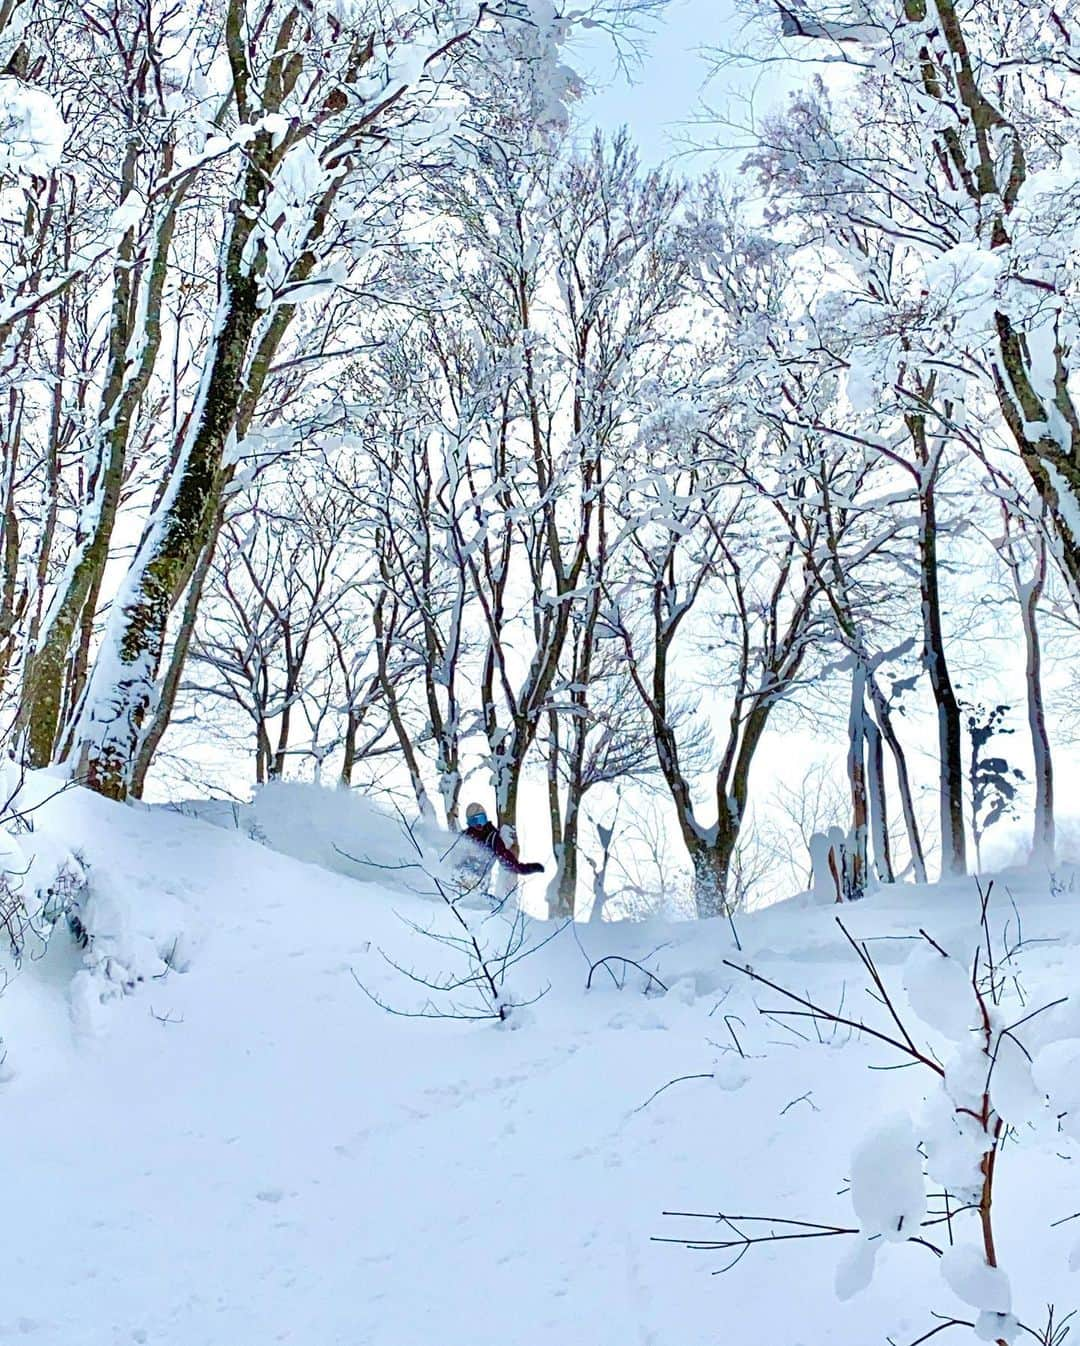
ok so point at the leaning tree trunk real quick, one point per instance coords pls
(1051, 458)
(121, 689)
(170, 686)
(272, 334)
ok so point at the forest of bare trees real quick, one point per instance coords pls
(364, 419)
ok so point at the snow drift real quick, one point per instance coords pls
(213, 1136)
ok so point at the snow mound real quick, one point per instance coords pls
(348, 833)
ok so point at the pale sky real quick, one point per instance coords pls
(669, 85)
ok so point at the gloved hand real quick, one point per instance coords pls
(533, 868)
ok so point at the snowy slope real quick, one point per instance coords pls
(251, 1151)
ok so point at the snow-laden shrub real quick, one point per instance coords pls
(1006, 1068)
(129, 940)
(42, 883)
(997, 1075)
(348, 833)
(47, 890)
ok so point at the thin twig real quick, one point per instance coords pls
(830, 1017)
(618, 958)
(677, 1080)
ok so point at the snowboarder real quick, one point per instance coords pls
(484, 834)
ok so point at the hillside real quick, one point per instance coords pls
(249, 1150)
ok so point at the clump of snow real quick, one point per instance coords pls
(823, 854)
(955, 1144)
(971, 1278)
(862, 385)
(940, 992)
(1013, 1091)
(1056, 1071)
(856, 1269)
(729, 1072)
(32, 131)
(966, 279)
(996, 1326)
(887, 1186)
(129, 940)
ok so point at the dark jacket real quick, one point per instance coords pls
(487, 837)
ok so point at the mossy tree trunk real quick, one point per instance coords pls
(44, 693)
(121, 687)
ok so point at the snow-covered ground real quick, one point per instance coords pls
(251, 1151)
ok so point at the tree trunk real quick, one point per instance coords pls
(56, 417)
(907, 803)
(383, 638)
(508, 761)
(568, 862)
(1043, 839)
(950, 742)
(43, 692)
(856, 761)
(711, 864)
(348, 760)
(555, 815)
(9, 550)
(271, 338)
(177, 658)
(878, 801)
(121, 689)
